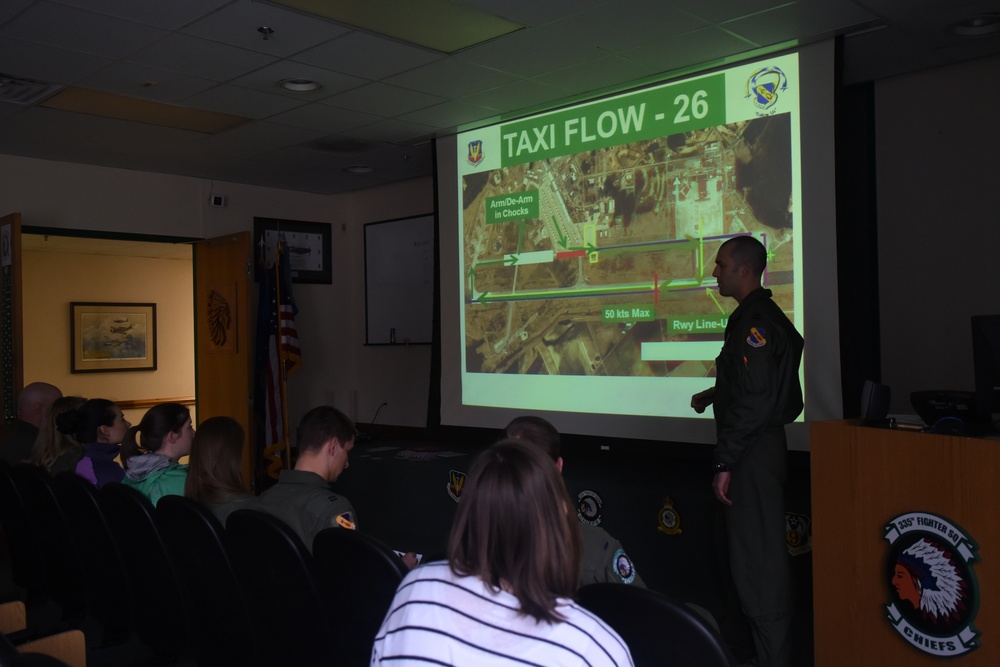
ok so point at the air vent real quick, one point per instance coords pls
(25, 91)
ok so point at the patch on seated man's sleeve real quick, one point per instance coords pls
(623, 567)
(345, 520)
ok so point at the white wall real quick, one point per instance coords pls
(938, 138)
(337, 367)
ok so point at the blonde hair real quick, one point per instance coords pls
(52, 441)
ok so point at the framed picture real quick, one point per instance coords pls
(112, 337)
(308, 247)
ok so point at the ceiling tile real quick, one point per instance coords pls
(693, 48)
(533, 12)
(529, 52)
(367, 55)
(148, 83)
(47, 63)
(201, 57)
(237, 24)
(451, 78)
(267, 78)
(599, 74)
(520, 97)
(384, 100)
(320, 116)
(170, 15)
(604, 28)
(805, 20)
(241, 101)
(450, 114)
(78, 30)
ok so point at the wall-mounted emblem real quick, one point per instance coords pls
(931, 583)
(670, 520)
(456, 481)
(588, 507)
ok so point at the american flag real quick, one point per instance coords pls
(277, 350)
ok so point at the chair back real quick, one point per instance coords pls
(160, 607)
(27, 567)
(359, 575)
(288, 609)
(659, 630)
(220, 615)
(63, 567)
(105, 585)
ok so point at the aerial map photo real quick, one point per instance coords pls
(574, 264)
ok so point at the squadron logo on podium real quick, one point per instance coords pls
(931, 583)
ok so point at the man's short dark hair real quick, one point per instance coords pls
(537, 431)
(747, 250)
(321, 424)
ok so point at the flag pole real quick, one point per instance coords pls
(286, 456)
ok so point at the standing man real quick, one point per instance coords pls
(33, 403)
(756, 393)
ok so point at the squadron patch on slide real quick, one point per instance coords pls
(931, 583)
(588, 507)
(456, 481)
(765, 85)
(476, 152)
(624, 567)
(756, 337)
(670, 520)
(798, 533)
(345, 520)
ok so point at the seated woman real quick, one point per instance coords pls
(215, 471)
(504, 595)
(99, 426)
(150, 460)
(55, 449)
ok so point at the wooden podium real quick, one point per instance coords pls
(862, 479)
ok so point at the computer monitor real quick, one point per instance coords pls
(986, 365)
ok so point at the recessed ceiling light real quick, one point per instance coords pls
(982, 25)
(359, 169)
(299, 85)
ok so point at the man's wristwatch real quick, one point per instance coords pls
(718, 467)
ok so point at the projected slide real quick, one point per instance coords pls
(589, 235)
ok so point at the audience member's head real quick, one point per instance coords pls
(97, 420)
(513, 528)
(165, 429)
(215, 470)
(325, 438)
(51, 442)
(34, 400)
(538, 432)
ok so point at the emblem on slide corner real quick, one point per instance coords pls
(475, 152)
(931, 584)
(765, 86)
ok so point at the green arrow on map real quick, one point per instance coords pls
(562, 237)
(711, 294)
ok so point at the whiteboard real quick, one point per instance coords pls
(399, 281)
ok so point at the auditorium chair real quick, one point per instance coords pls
(658, 629)
(158, 601)
(359, 602)
(289, 612)
(220, 615)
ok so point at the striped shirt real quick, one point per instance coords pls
(438, 618)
